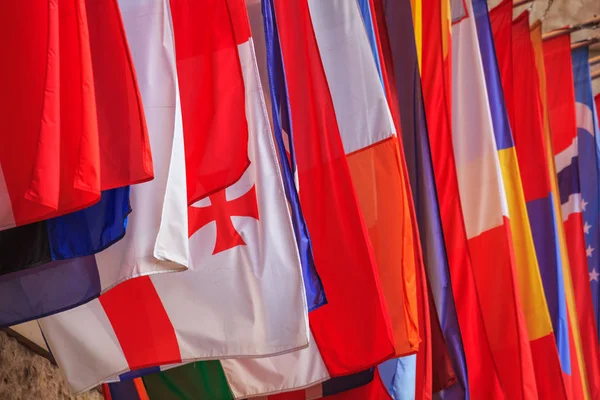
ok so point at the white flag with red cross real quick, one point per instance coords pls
(243, 295)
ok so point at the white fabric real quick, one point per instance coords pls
(262, 376)
(247, 301)
(572, 206)
(585, 118)
(563, 159)
(361, 109)
(156, 239)
(477, 165)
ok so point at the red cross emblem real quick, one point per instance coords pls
(220, 210)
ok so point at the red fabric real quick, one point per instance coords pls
(549, 375)
(424, 378)
(597, 102)
(483, 380)
(501, 18)
(341, 246)
(443, 375)
(68, 132)
(563, 126)
(375, 390)
(211, 86)
(141, 324)
(48, 156)
(528, 133)
(519, 71)
(491, 253)
(106, 391)
(125, 153)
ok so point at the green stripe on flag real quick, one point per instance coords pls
(201, 380)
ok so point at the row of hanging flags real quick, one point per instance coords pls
(354, 199)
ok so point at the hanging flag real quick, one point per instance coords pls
(280, 116)
(372, 151)
(77, 120)
(436, 57)
(486, 213)
(41, 271)
(563, 125)
(159, 247)
(588, 162)
(329, 203)
(416, 148)
(207, 381)
(544, 352)
(215, 127)
(243, 262)
(578, 380)
(527, 128)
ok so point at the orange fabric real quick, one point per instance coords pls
(379, 186)
(141, 389)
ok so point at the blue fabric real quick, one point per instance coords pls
(544, 230)
(315, 295)
(588, 167)
(92, 229)
(568, 180)
(344, 383)
(138, 373)
(403, 385)
(72, 278)
(418, 158)
(48, 289)
(124, 390)
(500, 122)
(367, 17)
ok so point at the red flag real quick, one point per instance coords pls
(68, 132)
(212, 93)
(341, 246)
(563, 126)
(483, 380)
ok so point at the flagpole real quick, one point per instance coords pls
(589, 24)
(584, 43)
(521, 3)
(594, 60)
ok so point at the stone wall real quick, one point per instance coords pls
(25, 375)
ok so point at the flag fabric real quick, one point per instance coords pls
(273, 74)
(244, 287)
(588, 161)
(545, 357)
(486, 213)
(42, 273)
(330, 206)
(157, 228)
(436, 58)
(371, 147)
(563, 126)
(578, 380)
(207, 381)
(77, 120)
(417, 151)
(214, 124)
(517, 65)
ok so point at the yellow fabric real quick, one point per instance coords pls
(417, 15)
(536, 38)
(533, 299)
